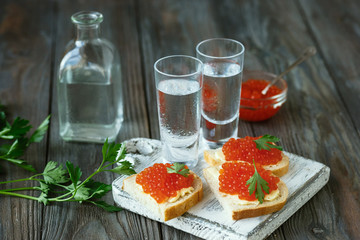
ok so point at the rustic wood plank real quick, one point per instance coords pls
(65, 221)
(338, 29)
(25, 53)
(335, 34)
(314, 113)
(167, 28)
(320, 120)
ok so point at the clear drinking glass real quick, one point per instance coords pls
(223, 61)
(178, 81)
(89, 84)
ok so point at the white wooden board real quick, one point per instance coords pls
(207, 219)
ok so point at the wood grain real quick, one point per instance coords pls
(78, 221)
(320, 119)
(25, 53)
(337, 27)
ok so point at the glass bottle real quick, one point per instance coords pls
(89, 84)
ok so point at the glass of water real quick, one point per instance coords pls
(178, 81)
(223, 61)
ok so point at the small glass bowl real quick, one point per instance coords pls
(261, 108)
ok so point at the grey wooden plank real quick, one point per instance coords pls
(66, 221)
(336, 35)
(317, 121)
(169, 28)
(313, 123)
(25, 53)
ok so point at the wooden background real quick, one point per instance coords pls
(320, 120)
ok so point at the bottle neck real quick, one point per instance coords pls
(88, 32)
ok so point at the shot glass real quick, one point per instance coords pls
(223, 61)
(178, 82)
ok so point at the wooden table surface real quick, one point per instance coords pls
(320, 120)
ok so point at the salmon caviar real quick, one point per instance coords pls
(234, 175)
(244, 149)
(209, 98)
(160, 184)
(254, 106)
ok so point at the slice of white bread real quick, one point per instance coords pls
(231, 203)
(167, 210)
(216, 157)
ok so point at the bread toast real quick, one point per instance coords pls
(166, 210)
(232, 204)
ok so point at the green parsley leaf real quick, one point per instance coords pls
(110, 151)
(3, 121)
(21, 163)
(106, 206)
(265, 142)
(40, 132)
(17, 132)
(121, 153)
(44, 188)
(258, 183)
(74, 173)
(54, 174)
(179, 169)
(19, 128)
(97, 189)
(16, 149)
(125, 167)
(82, 192)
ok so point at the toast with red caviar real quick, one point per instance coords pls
(261, 149)
(229, 182)
(168, 190)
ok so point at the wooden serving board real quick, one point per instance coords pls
(208, 219)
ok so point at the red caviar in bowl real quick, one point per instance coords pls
(245, 149)
(254, 106)
(160, 184)
(234, 175)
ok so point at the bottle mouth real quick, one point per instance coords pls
(87, 18)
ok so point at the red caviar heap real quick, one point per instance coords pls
(244, 149)
(234, 175)
(160, 184)
(251, 97)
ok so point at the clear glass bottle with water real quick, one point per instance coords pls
(89, 84)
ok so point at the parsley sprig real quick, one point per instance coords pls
(16, 135)
(257, 183)
(57, 184)
(179, 169)
(265, 142)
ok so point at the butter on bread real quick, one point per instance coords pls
(236, 207)
(169, 209)
(216, 157)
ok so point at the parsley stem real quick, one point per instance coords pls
(18, 189)
(32, 178)
(62, 199)
(6, 130)
(18, 195)
(18, 180)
